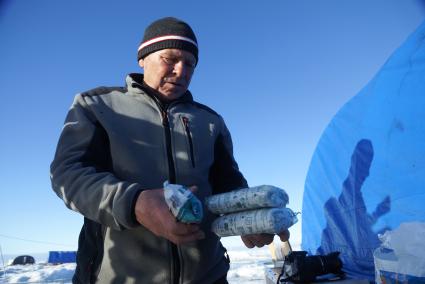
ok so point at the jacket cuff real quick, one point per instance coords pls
(124, 207)
(133, 207)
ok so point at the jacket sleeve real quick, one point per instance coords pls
(81, 172)
(224, 173)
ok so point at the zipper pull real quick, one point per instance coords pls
(185, 122)
(189, 137)
(164, 118)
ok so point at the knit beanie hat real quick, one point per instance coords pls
(168, 33)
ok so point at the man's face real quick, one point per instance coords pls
(169, 71)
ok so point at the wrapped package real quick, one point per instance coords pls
(267, 220)
(184, 205)
(262, 196)
(401, 256)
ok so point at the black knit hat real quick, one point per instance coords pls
(168, 33)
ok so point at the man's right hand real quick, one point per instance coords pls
(152, 212)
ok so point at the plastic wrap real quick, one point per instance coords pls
(401, 256)
(262, 196)
(269, 220)
(184, 205)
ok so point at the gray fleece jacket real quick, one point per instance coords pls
(117, 142)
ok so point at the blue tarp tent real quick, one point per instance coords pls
(62, 256)
(367, 174)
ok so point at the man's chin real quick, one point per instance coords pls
(173, 95)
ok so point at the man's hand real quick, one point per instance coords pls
(259, 240)
(153, 213)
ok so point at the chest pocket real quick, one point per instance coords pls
(194, 142)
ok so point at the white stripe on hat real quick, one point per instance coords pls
(161, 38)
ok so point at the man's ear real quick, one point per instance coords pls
(141, 63)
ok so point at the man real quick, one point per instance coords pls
(119, 145)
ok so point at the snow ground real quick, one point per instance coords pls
(247, 266)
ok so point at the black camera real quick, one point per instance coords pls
(300, 268)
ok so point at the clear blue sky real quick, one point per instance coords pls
(276, 70)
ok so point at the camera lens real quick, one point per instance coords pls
(324, 264)
(298, 267)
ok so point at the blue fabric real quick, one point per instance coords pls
(62, 256)
(367, 174)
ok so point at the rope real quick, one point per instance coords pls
(35, 241)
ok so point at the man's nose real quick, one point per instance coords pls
(180, 69)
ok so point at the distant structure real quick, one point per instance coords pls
(23, 259)
(56, 257)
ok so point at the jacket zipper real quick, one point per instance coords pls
(189, 137)
(175, 259)
(166, 124)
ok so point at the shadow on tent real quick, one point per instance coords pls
(347, 228)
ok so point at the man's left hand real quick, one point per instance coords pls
(259, 240)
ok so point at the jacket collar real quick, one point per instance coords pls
(135, 84)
